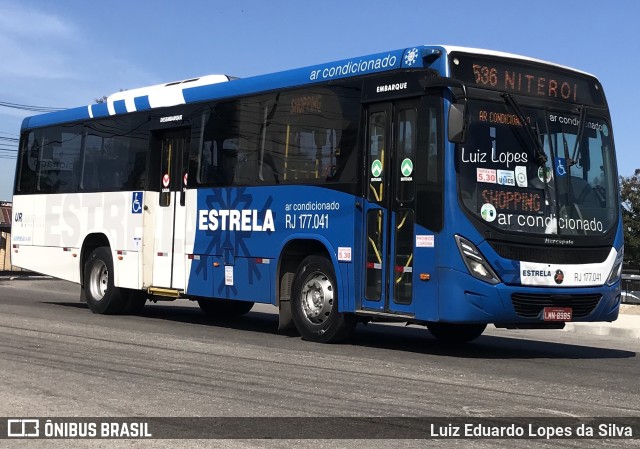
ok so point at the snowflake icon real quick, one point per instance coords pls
(411, 57)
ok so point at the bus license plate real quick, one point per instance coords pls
(557, 314)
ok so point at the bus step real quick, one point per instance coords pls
(168, 292)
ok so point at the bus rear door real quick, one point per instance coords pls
(169, 222)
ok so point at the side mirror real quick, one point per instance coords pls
(457, 122)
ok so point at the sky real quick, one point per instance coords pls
(67, 53)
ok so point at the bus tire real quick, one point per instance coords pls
(224, 308)
(456, 333)
(102, 296)
(314, 303)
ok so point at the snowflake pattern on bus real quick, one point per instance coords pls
(411, 57)
(231, 243)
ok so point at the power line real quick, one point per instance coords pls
(27, 107)
(11, 140)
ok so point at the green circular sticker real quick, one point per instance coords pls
(406, 167)
(488, 212)
(376, 168)
(541, 174)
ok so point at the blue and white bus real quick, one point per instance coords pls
(443, 186)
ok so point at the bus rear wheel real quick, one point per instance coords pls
(456, 333)
(314, 303)
(102, 296)
(224, 308)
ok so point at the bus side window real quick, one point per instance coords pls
(59, 166)
(29, 164)
(227, 163)
(115, 160)
(429, 188)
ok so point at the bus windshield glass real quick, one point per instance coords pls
(506, 187)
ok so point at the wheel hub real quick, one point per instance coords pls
(99, 280)
(317, 294)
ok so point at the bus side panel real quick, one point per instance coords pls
(46, 236)
(248, 279)
(123, 225)
(22, 231)
(202, 273)
(426, 292)
(148, 238)
(22, 222)
(348, 294)
(61, 263)
(58, 225)
(246, 228)
(126, 265)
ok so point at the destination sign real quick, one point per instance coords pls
(526, 78)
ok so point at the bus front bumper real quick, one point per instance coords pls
(465, 299)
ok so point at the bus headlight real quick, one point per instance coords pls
(475, 261)
(616, 271)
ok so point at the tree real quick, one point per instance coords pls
(630, 197)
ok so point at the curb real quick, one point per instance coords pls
(627, 326)
(603, 330)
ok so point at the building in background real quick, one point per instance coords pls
(5, 237)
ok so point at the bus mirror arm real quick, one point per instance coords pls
(446, 82)
(457, 124)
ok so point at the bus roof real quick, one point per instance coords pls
(481, 51)
(212, 87)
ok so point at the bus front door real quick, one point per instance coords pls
(388, 244)
(170, 212)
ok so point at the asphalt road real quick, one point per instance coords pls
(59, 359)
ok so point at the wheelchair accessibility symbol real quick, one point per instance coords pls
(561, 166)
(136, 203)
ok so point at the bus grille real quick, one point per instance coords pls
(530, 305)
(553, 255)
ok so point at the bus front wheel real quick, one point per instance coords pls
(102, 296)
(314, 303)
(456, 333)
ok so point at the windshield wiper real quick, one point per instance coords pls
(582, 124)
(538, 152)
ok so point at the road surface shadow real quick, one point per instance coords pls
(419, 340)
(412, 339)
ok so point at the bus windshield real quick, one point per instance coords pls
(504, 185)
